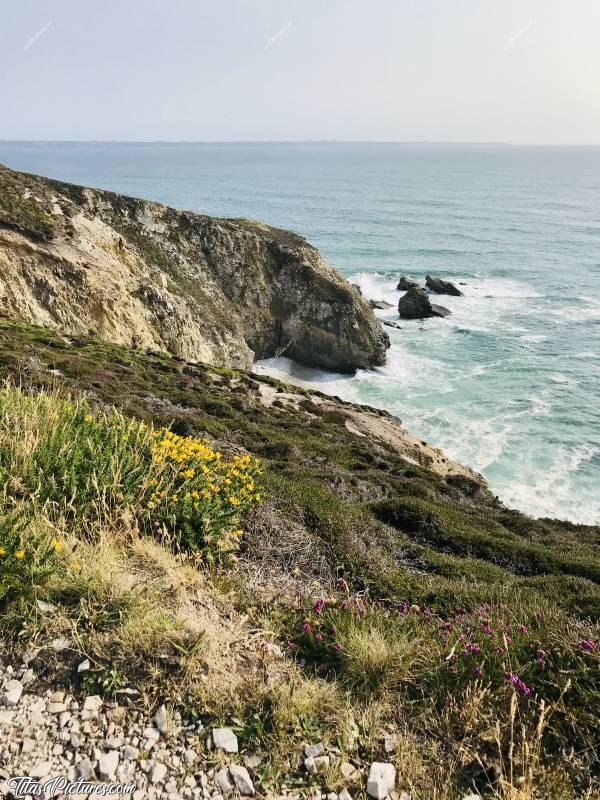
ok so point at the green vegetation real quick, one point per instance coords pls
(405, 604)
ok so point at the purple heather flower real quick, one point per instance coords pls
(521, 688)
(587, 645)
(306, 627)
(499, 648)
(318, 637)
(478, 672)
(522, 629)
(319, 605)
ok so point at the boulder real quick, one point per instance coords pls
(438, 286)
(404, 284)
(381, 304)
(415, 304)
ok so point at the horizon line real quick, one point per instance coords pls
(412, 142)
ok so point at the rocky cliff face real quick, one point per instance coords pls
(205, 289)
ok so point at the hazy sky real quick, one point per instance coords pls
(521, 71)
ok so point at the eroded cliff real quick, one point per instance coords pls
(138, 273)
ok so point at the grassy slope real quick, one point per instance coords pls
(402, 531)
(336, 506)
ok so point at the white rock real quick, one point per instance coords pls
(40, 770)
(314, 765)
(313, 750)
(107, 765)
(189, 756)
(160, 719)
(224, 781)
(157, 772)
(225, 739)
(91, 707)
(347, 770)
(471, 797)
(12, 695)
(28, 677)
(84, 666)
(344, 795)
(85, 770)
(28, 745)
(130, 753)
(381, 780)
(56, 708)
(46, 608)
(242, 780)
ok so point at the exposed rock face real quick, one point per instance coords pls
(381, 304)
(205, 289)
(415, 304)
(439, 286)
(404, 284)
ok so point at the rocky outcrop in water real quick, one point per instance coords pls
(438, 286)
(415, 304)
(221, 291)
(404, 284)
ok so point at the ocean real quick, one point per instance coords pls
(510, 382)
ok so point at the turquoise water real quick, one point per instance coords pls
(510, 383)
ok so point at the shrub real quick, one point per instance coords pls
(198, 495)
(82, 468)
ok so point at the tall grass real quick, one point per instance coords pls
(65, 465)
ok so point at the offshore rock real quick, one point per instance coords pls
(415, 304)
(438, 286)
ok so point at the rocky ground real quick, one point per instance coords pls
(48, 734)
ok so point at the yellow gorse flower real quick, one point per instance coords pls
(20, 554)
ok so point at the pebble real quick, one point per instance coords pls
(381, 780)
(225, 739)
(224, 781)
(107, 765)
(12, 695)
(157, 772)
(314, 750)
(160, 719)
(242, 780)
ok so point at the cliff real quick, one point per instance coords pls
(141, 274)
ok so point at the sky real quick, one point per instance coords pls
(518, 71)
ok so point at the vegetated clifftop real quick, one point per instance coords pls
(135, 272)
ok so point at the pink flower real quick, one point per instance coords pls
(522, 629)
(319, 605)
(521, 688)
(587, 645)
(318, 637)
(478, 672)
(306, 627)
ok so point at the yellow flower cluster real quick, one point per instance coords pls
(196, 490)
